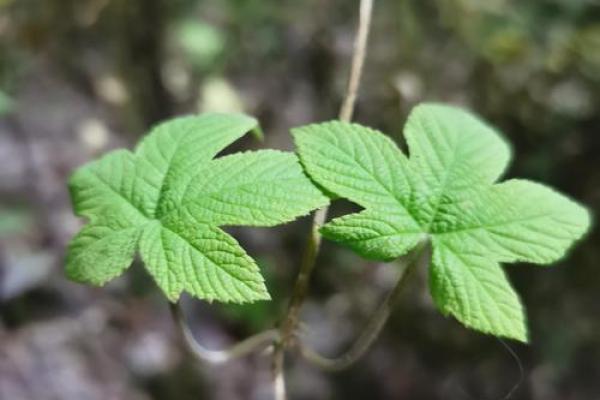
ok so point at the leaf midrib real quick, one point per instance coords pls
(482, 287)
(212, 261)
(443, 187)
(494, 225)
(395, 197)
(120, 195)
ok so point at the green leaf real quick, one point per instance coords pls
(446, 193)
(475, 289)
(103, 249)
(167, 156)
(450, 147)
(516, 220)
(375, 235)
(167, 200)
(355, 162)
(200, 259)
(108, 183)
(260, 188)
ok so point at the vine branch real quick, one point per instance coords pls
(290, 322)
(240, 349)
(358, 60)
(418, 258)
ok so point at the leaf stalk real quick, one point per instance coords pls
(419, 257)
(243, 348)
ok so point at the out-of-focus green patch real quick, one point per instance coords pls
(6, 103)
(201, 42)
(587, 45)
(506, 45)
(14, 221)
(218, 95)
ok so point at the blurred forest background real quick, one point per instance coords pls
(80, 77)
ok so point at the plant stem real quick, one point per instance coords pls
(240, 349)
(288, 326)
(358, 60)
(417, 258)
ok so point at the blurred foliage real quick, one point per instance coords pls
(6, 104)
(201, 43)
(14, 221)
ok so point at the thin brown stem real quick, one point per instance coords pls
(358, 60)
(290, 322)
(418, 258)
(253, 343)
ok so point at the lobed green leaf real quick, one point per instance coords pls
(445, 192)
(167, 200)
